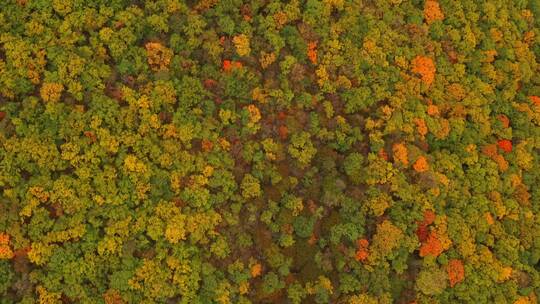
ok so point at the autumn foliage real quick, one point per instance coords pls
(229, 65)
(504, 120)
(456, 272)
(352, 152)
(400, 153)
(51, 91)
(241, 43)
(505, 145)
(422, 232)
(159, 57)
(427, 235)
(535, 100)
(432, 11)
(425, 67)
(421, 164)
(362, 253)
(256, 270)
(312, 52)
(5, 250)
(431, 246)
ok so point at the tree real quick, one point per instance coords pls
(431, 281)
(425, 67)
(250, 187)
(301, 148)
(432, 11)
(456, 272)
(353, 166)
(51, 91)
(159, 57)
(386, 239)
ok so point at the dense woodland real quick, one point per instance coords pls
(302, 151)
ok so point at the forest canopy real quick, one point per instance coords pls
(302, 151)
